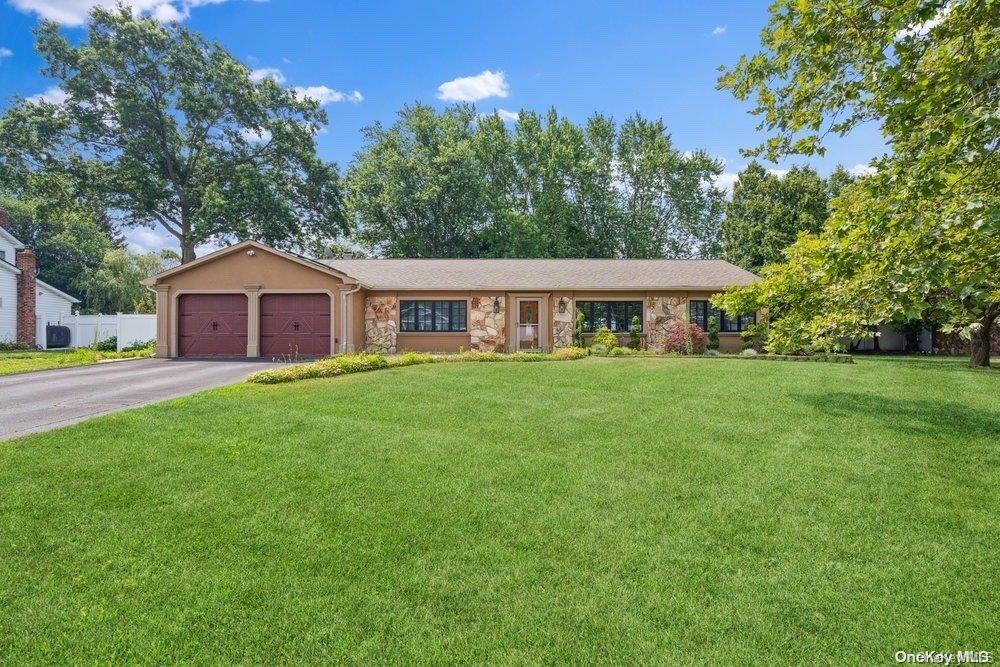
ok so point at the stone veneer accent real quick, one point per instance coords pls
(486, 328)
(381, 317)
(562, 323)
(661, 311)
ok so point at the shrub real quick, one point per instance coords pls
(570, 353)
(359, 363)
(635, 333)
(134, 347)
(107, 345)
(684, 338)
(755, 336)
(13, 346)
(624, 352)
(713, 332)
(605, 337)
(599, 349)
(578, 329)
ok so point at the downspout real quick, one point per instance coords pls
(343, 316)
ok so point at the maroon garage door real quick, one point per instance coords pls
(295, 325)
(212, 325)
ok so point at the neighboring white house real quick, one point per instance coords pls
(27, 304)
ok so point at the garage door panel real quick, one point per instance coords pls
(295, 325)
(212, 325)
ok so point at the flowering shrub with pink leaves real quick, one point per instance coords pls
(684, 338)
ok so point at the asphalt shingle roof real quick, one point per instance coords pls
(542, 274)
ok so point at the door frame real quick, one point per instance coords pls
(333, 307)
(175, 319)
(334, 338)
(540, 301)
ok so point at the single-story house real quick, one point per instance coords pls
(255, 301)
(27, 304)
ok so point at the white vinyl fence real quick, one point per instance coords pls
(85, 330)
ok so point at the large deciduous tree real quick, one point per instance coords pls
(921, 237)
(164, 128)
(69, 241)
(115, 286)
(768, 211)
(454, 184)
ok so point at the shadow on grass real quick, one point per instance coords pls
(953, 364)
(911, 416)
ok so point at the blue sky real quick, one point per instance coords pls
(365, 62)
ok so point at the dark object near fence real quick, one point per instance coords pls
(56, 336)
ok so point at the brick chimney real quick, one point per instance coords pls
(4, 220)
(26, 261)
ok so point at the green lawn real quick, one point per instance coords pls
(656, 510)
(39, 360)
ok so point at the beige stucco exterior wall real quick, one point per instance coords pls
(264, 271)
(240, 272)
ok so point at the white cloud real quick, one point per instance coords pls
(166, 13)
(325, 95)
(76, 12)
(272, 73)
(5, 53)
(862, 170)
(921, 29)
(780, 173)
(54, 95)
(146, 239)
(256, 136)
(719, 29)
(474, 88)
(511, 116)
(726, 181)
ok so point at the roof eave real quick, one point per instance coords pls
(10, 238)
(58, 291)
(153, 280)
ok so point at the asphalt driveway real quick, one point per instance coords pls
(32, 402)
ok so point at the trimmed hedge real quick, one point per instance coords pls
(832, 358)
(360, 363)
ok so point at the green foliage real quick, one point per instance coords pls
(453, 184)
(162, 127)
(713, 333)
(68, 240)
(13, 346)
(360, 363)
(578, 326)
(35, 360)
(767, 212)
(635, 333)
(755, 335)
(916, 240)
(605, 337)
(114, 287)
(107, 345)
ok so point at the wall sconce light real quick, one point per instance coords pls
(562, 305)
(496, 305)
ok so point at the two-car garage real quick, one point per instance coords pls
(256, 303)
(216, 325)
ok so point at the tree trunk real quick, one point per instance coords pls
(979, 345)
(187, 252)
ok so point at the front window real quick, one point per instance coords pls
(701, 310)
(433, 316)
(615, 315)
